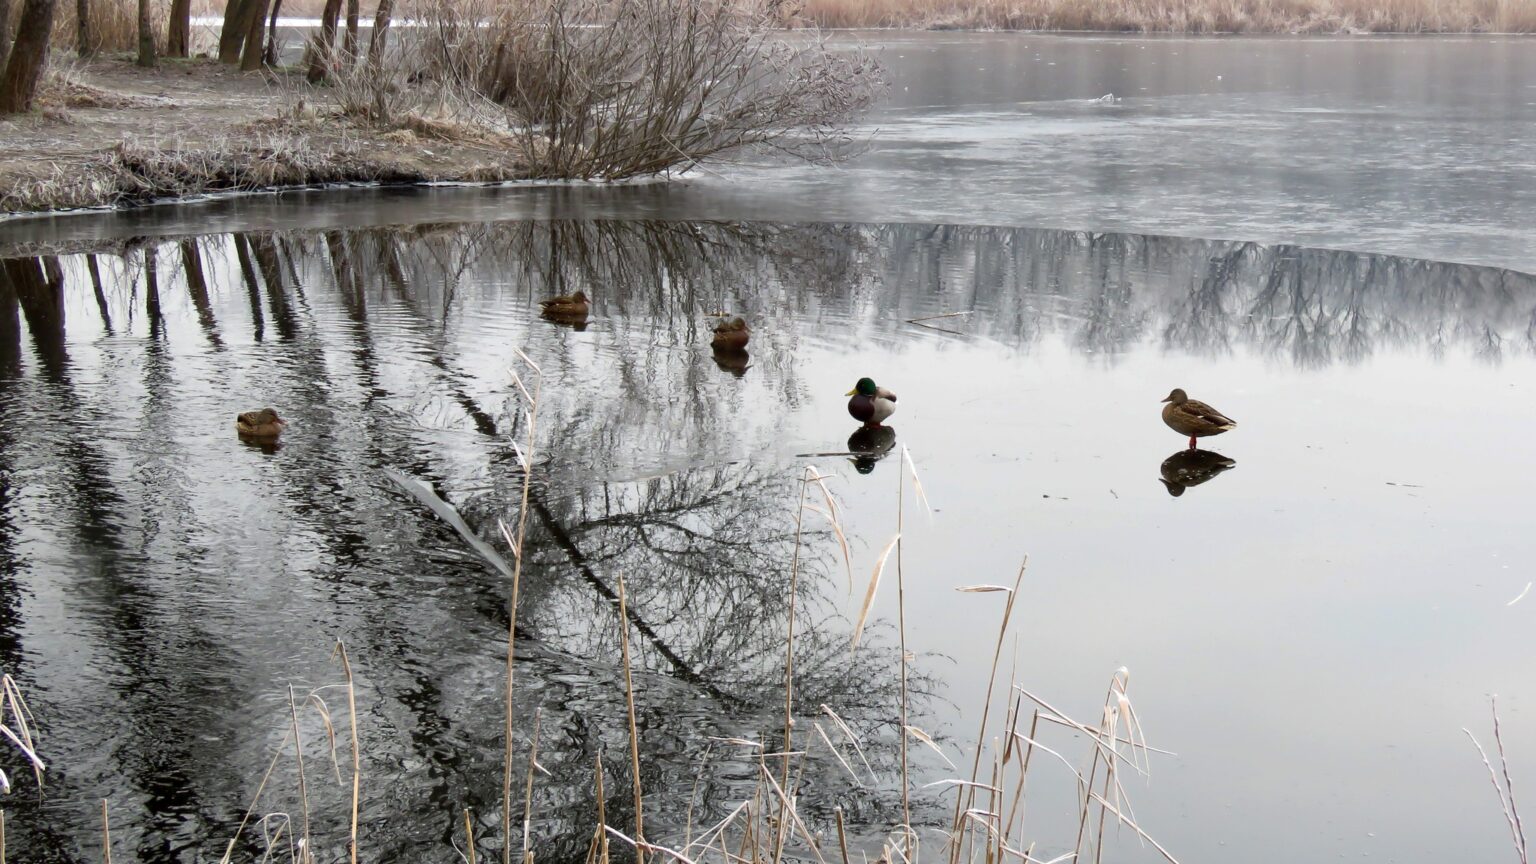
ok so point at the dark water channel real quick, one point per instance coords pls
(1308, 630)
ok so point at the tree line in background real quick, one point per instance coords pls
(247, 38)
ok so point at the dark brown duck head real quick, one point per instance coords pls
(1177, 397)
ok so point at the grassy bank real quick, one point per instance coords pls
(108, 134)
(1184, 16)
(639, 88)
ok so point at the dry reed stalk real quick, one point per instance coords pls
(1018, 794)
(106, 834)
(600, 839)
(298, 753)
(693, 794)
(789, 655)
(901, 629)
(634, 735)
(525, 458)
(1106, 730)
(986, 708)
(1506, 792)
(357, 770)
(469, 836)
(229, 850)
(12, 703)
(533, 761)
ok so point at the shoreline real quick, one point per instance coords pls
(107, 135)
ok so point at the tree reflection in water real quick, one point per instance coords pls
(199, 577)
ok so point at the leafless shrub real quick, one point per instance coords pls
(611, 89)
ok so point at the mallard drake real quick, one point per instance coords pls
(1188, 468)
(567, 306)
(260, 424)
(731, 333)
(1194, 418)
(870, 405)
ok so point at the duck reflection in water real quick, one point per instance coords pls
(732, 360)
(870, 444)
(268, 446)
(1188, 468)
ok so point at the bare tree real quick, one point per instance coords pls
(380, 36)
(178, 36)
(85, 39)
(5, 31)
(251, 53)
(232, 32)
(147, 56)
(29, 54)
(269, 56)
(243, 21)
(352, 16)
(322, 51)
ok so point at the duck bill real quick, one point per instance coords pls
(1166, 399)
(850, 392)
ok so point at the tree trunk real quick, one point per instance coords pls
(85, 39)
(322, 58)
(146, 35)
(380, 36)
(178, 35)
(24, 68)
(269, 56)
(232, 32)
(5, 31)
(352, 43)
(250, 55)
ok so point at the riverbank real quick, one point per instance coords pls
(107, 133)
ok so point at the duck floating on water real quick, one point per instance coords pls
(566, 306)
(731, 334)
(1194, 418)
(260, 424)
(870, 405)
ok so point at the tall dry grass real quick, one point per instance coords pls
(19, 730)
(1182, 16)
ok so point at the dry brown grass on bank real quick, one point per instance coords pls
(130, 174)
(1184, 16)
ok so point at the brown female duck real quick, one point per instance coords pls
(567, 306)
(260, 424)
(1194, 418)
(731, 334)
